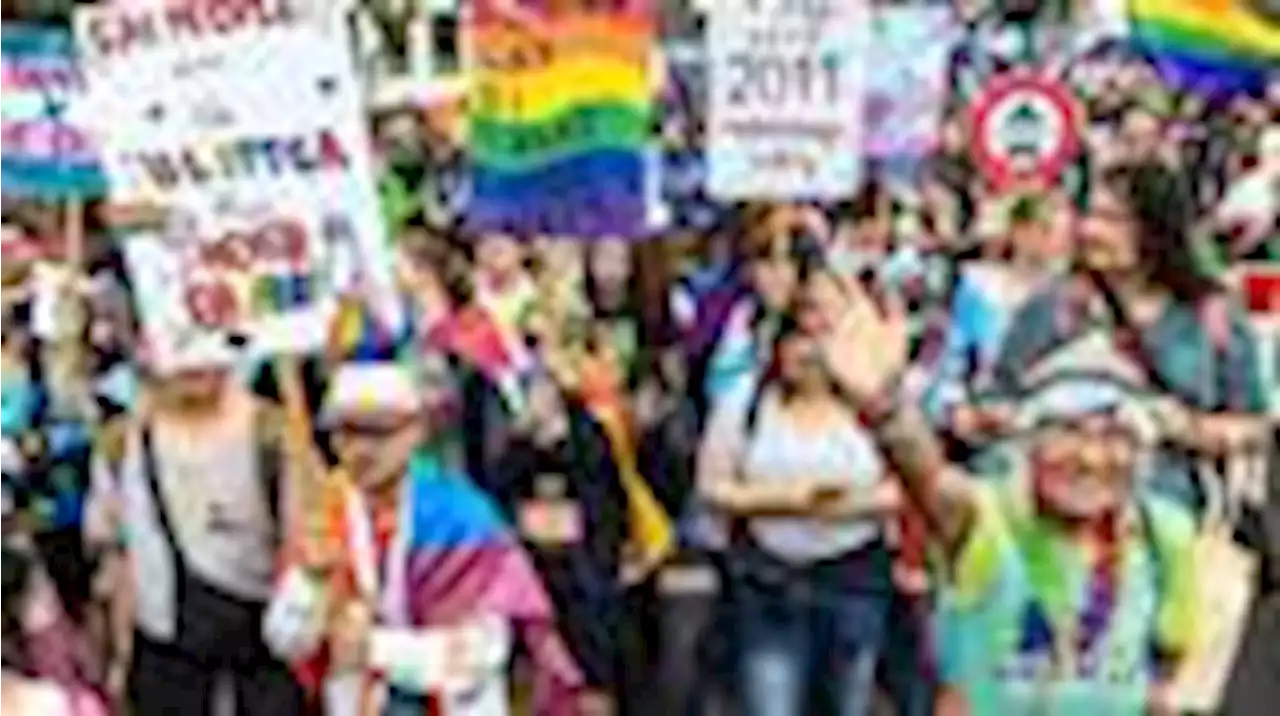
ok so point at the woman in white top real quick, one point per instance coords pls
(804, 492)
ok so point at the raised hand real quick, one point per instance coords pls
(867, 348)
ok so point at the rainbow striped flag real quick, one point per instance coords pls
(560, 111)
(1210, 46)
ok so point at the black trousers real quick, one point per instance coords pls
(168, 682)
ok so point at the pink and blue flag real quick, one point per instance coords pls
(44, 152)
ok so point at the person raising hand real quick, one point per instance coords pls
(1055, 604)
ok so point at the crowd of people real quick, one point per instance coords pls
(933, 449)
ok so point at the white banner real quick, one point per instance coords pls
(786, 96)
(246, 119)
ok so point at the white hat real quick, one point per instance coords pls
(190, 350)
(371, 387)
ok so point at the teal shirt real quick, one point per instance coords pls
(997, 653)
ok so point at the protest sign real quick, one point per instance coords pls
(1026, 128)
(244, 124)
(255, 276)
(560, 111)
(907, 85)
(785, 98)
(396, 54)
(45, 153)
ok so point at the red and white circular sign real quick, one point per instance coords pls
(1026, 126)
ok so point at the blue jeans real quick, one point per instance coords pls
(811, 637)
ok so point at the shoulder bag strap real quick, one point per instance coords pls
(149, 469)
(271, 471)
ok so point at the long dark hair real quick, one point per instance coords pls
(646, 303)
(1163, 204)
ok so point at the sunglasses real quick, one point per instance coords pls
(371, 428)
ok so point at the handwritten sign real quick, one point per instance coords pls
(210, 107)
(45, 153)
(786, 96)
(260, 276)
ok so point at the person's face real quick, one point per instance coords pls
(1140, 133)
(560, 258)
(498, 255)
(953, 136)
(610, 265)
(375, 447)
(1107, 235)
(774, 279)
(800, 363)
(546, 416)
(822, 298)
(873, 233)
(1029, 238)
(1084, 468)
(196, 387)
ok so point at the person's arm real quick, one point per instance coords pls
(883, 499)
(1240, 425)
(934, 486)
(717, 476)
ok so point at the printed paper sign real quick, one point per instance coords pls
(45, 153)
(228, 115)
(786, 98)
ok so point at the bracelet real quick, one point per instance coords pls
(879, 408)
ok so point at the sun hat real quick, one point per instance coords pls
(371, 376)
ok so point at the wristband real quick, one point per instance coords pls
(878, 408)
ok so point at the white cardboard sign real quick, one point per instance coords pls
(242, 117)
(786, 96)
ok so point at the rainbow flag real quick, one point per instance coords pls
(560, 108)
(463, 560)
(1210, 46)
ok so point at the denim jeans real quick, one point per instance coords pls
(811, 638)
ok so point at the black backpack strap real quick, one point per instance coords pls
(270, 449)
(150, 474)
(165, 523)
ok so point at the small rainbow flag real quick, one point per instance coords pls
(560, 108)
(1210, 46)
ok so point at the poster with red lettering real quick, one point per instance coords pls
(252, 275)
(231, 110)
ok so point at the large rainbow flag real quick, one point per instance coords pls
(560, 105)
(1211, 46)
